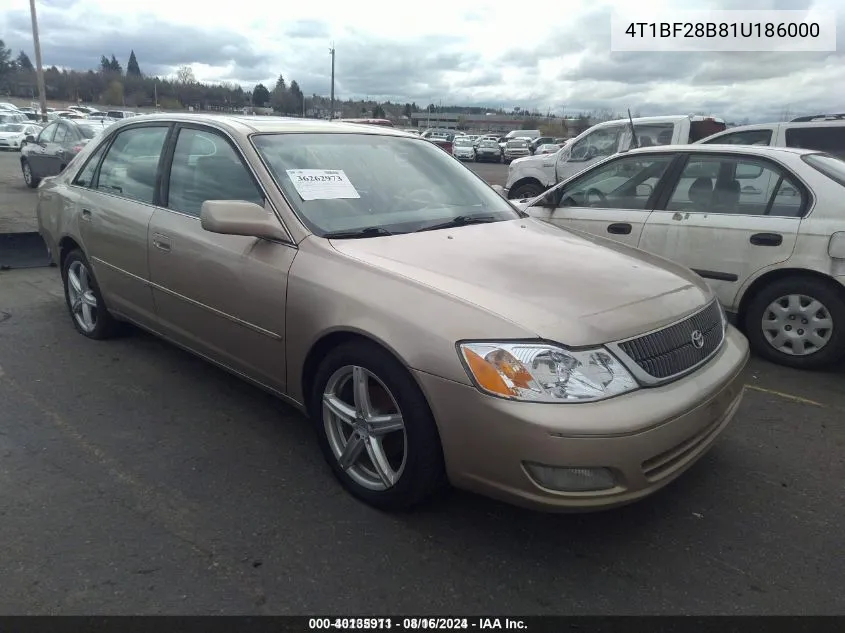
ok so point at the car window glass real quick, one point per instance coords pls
(206, 167)
(626, 183)
(85, 178)
(62, 134)
(651, 134)
(823, 138)
(602, 142)
(735, 186)
(48, 133)
(130, 166)
(747, 137)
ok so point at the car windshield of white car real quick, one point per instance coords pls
(517, 144)
(348, 182)
(462, 141)
(11, 127)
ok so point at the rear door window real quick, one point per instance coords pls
(823, 138)
(746, 137)
(130, 166)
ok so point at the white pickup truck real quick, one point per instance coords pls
(532, 175)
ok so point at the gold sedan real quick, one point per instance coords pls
(431, 331)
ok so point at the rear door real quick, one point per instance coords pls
(613, 200)
(713, 221)
(36, 152)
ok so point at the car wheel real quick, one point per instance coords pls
(528, 190)
(28, 177)
(798, 322)
(84, 301)
(375, 427)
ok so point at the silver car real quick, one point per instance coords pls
(517, 148)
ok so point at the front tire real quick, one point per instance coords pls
(527, 190)
(798, 322)
(85, 303)
(375, 427)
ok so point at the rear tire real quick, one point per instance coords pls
(28, 177)
(795, 314)
(84, 301)
(411, 459)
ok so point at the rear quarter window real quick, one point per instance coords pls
(822, 138)
(830, 166)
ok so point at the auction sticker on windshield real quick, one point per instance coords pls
(322, 184)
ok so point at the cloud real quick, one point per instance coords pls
(479, 53)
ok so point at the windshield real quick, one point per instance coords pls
(349, 182)
(488, 143)
(461, 140)
(517, 143)
(830, 166)
(11, 127)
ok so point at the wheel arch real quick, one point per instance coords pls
(331, 340)
(527, 180)
(66, 245)
(776, 275)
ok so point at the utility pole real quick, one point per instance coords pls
(331, 52)
(39, 69)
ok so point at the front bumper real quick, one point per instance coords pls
(646, 438)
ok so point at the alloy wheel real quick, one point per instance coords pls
(365, 428)
(81, 297)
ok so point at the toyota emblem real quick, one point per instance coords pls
(697, 339)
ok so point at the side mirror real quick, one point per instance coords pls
(30, 138)
(500, 190)
(238, 217)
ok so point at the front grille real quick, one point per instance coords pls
(671, 351)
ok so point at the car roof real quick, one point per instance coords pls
(758, 150)
(246, 124)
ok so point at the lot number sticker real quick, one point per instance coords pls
(322, 184)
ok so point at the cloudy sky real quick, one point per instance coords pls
(549, 55)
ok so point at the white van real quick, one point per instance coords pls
(824, 135)
(532, 175)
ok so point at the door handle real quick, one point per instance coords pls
(161, 242)
(767, 239)
(86, 215)
(619, 228)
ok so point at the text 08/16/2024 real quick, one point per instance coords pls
(650, 30)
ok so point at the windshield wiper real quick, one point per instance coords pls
(461, 220)
(370, 231)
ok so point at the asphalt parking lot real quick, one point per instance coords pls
(137, 479)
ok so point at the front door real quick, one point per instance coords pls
(221, 295)
(728, 217)
(612, 201)
(117, 198)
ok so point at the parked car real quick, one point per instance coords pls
(762, 225)
(12, 116)
(69, 114)
(549, 148)
(539, 140)
(463, 148)
(83, 109)
(13, 135)
(8, 106)
(120, 114)
(470, 368)
(488, 151)
(443, 142)
(530, 176)
(824, 135)
(55, 145)
(515, 148)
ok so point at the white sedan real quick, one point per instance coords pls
(763, 225)
(13, 135)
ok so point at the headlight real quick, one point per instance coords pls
(537, 372)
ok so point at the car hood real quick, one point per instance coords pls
(11, 134)
(574, 289)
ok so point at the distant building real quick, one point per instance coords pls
(454, 120)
